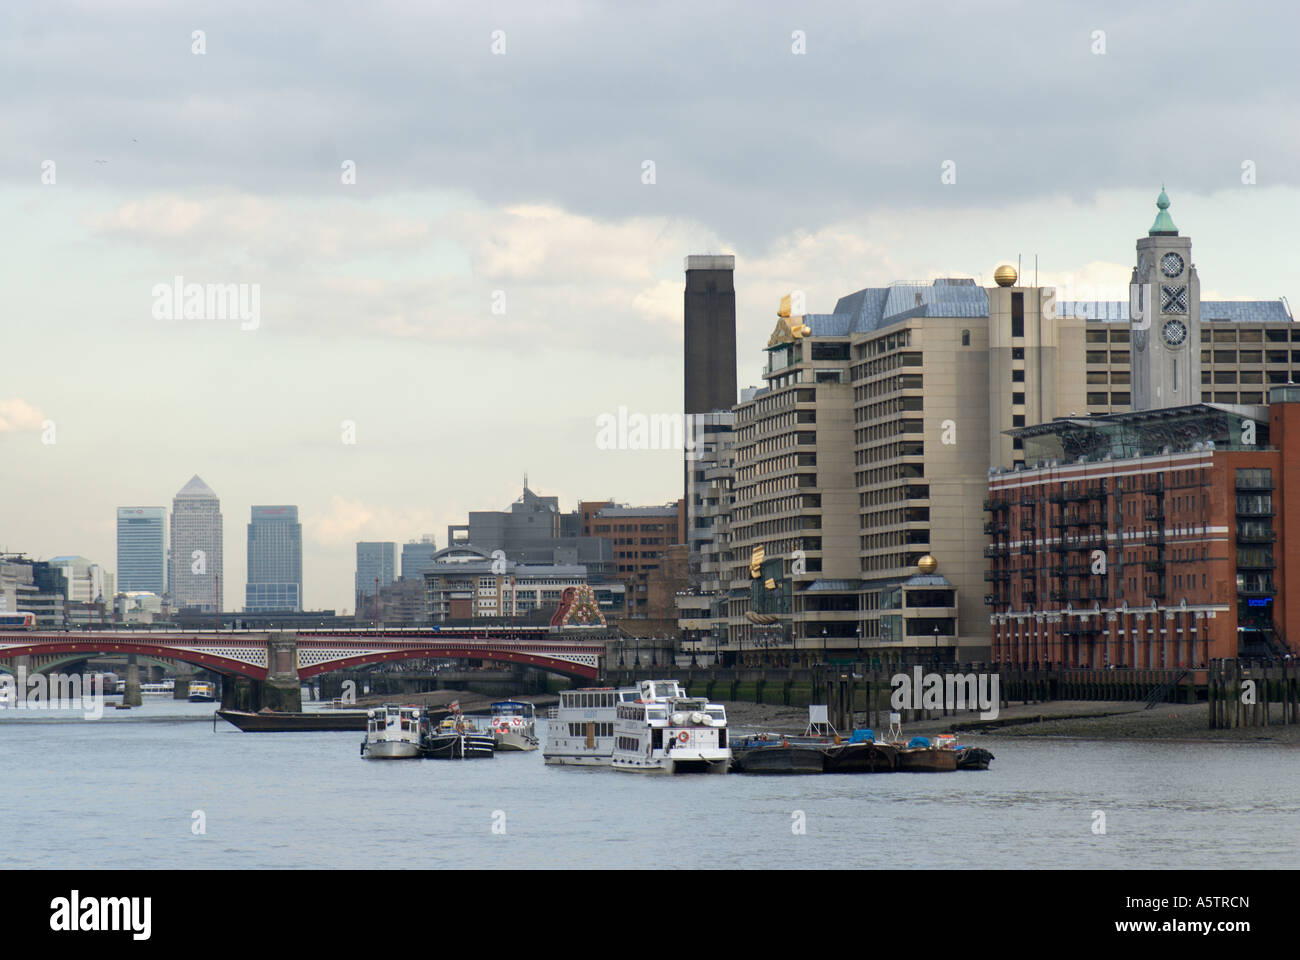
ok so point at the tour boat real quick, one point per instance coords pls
(514, 725)
(665, 731)
(202, 691)
(580, 730)
(392, 733)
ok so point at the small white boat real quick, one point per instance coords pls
(514, 725)
(665, 731)
(202, 691)
(580, 731)
(392, 733)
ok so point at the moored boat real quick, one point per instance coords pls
(921, 756)
(456, 738)
(665, 731)
(272, 721)
(774, 753)
(514, 725)
(580, 729)
(202, 691)
(968, 757)
(392, 733)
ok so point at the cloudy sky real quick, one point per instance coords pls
(458, 247)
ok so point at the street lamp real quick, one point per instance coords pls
(858, 632)
(936, 643)
(824, 656)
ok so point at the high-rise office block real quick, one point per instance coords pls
(418, 556)
(141, 549)
(274, 560)
(376, 561)
(710, 333)
(196, 552)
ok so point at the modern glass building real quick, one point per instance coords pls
(417, 557)
(196, 552)
(274, 561)
(376, 560)
(141, 549)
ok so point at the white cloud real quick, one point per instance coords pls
(17, 415)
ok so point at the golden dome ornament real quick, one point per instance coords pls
(1005, 275)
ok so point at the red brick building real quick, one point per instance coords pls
(641, 537)
(1151, 539)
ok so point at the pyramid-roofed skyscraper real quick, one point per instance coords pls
(195, 564)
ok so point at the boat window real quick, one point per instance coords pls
(658, 714)
(718, 713)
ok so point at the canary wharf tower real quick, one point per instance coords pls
(194, 577)
(1165, 318)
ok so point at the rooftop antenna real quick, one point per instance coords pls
(1035, 269)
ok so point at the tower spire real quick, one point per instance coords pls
(1164, 225)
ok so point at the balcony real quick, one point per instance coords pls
(1154, 513)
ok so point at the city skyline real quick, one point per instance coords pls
(526, 272)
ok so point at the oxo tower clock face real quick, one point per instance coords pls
(1175, 332)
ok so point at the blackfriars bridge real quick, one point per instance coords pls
(267, 668)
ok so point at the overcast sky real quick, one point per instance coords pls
(500, 272)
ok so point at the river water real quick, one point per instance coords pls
(128, 790)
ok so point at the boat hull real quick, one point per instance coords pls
(860, 758)
(926, 760)
(973, 758)
(390, 749)
(776, 759)
(673, 765)
(287, 722)
(514, 741)
(574, 760)
(455, 746)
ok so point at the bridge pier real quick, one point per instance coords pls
(283, 688)
(131, 694)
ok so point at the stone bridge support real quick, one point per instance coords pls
(283, 689)
(131, 694)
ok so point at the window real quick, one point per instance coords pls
(1017, 314)
(1017, 376)
(965, 338)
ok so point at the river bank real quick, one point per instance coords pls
(1072, 719)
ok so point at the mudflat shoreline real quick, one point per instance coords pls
(1067, 719)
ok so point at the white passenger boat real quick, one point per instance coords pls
(392, 733)
(580, 731)
(665, 731)
(202, 691)
(514, 725)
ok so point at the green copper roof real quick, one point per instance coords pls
(1164, 225)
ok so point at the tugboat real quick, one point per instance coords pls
(392, 733)
(456, 738)
(580, 731)
(514, 725)
(665, 731)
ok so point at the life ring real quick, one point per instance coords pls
(683, 737)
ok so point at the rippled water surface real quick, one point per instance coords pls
(122, 791)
